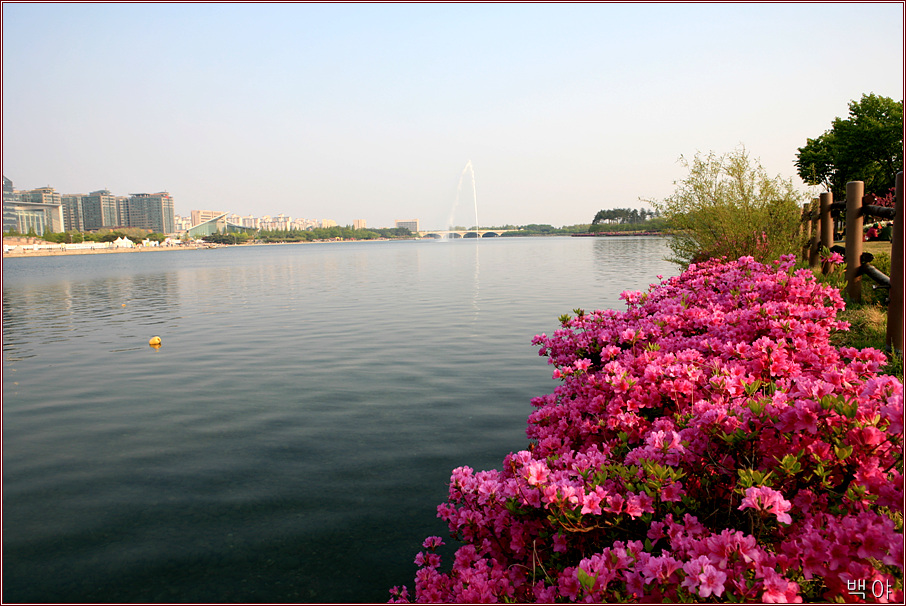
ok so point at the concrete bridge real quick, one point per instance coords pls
(451, 234)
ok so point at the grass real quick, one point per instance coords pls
(868, 328)
(875, 247)
(868, 319)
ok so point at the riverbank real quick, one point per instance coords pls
(58, 252)
(49, 249)
(617, 233)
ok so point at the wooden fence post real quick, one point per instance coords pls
(815, 247)
(805, 231)
(855, 190)
(895, 304)
(826, 224)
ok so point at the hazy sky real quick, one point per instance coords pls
(361, 111)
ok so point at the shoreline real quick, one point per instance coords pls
(606, 234)
(57, 252)
(94, 251)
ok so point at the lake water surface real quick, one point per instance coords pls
(291, 439)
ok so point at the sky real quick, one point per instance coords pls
(377, 111)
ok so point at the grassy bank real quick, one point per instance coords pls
(868, 328)
(868, 320)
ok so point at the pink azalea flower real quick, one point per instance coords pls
(778, 590)
(537, 473)
(591, 503)
(764, 498)
(833, 258)
(615, 503)
(711, 581)
(673, 492)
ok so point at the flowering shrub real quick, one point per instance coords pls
(706, 444)
(834, 258)
(888, 199)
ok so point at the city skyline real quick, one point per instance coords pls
(71, 219)
(44, 209)
(112, 212)
(373, 111)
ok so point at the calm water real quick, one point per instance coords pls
(291, 439)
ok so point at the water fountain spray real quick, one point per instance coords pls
(470, 169)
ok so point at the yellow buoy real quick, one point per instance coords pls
(124, 305)
(154, 342)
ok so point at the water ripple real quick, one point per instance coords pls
(303, 412)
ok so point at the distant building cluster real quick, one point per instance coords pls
(43, 209)
(207, 222)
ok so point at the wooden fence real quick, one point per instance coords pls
(819, 229)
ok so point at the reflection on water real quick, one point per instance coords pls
(627, 262)
(292, 437)
(49, 313)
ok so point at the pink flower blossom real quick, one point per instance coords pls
(764, 498)
(537, 473)
(591, 503)
(833, 258)
(583, 364)
(711, 581)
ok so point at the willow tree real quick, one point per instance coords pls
(729, 207)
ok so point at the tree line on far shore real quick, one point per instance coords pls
(326, 233)
(136, 234)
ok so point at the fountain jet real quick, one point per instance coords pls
(467, 169)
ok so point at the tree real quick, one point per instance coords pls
(621, 215)
(867, 146)
(729, 207)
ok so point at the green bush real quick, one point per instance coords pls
(729, 207)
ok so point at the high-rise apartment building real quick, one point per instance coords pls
(100, 210)
(358, 224)
(410, 225)
(182, 223)
(72, 212)
(122, 211)
(152, 211)
(250, 221)
(200, 216)
(36, 210)
(9, 200)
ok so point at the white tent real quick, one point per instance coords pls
(122, 242)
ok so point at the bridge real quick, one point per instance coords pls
(451, 234)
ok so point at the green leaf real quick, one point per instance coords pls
(843, 452)
(587, 581)
(752, 387)
(759, 406)
(789, 464)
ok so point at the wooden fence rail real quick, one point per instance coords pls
(818, 227)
